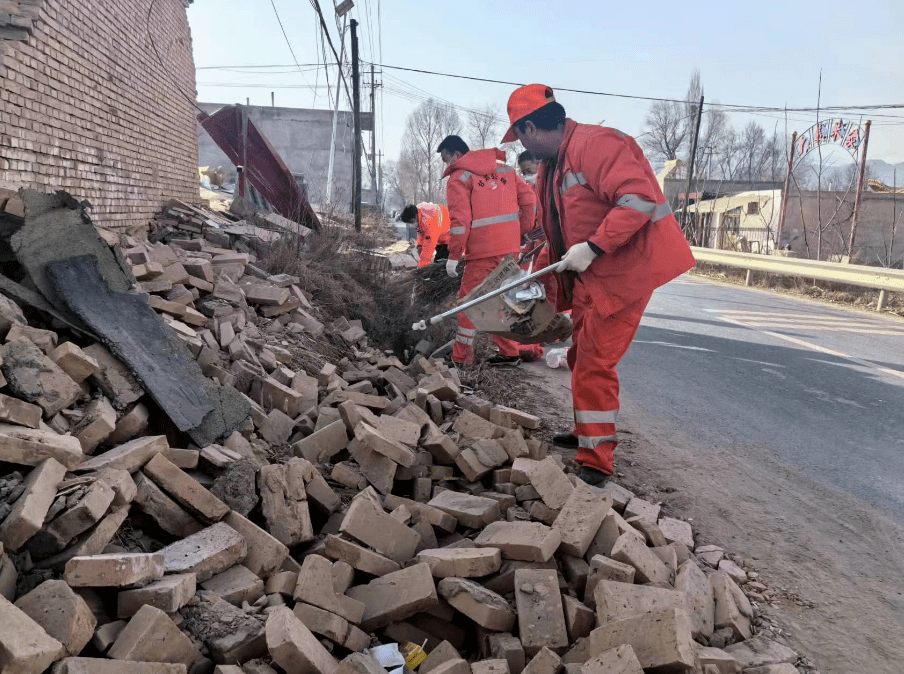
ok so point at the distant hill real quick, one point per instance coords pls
(887, 173)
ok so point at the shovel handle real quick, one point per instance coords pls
(483, 298)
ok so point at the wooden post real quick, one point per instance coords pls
(854, 217)
(356, 94)
(690, 168)
(781, 217)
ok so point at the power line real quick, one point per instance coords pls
(739, 108)
(326, 32)
(289, 44)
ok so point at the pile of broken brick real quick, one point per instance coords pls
(372, 502)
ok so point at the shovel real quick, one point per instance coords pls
(422, 325)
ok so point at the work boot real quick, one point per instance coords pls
(593, 477)
(565, 441)
(499, 359)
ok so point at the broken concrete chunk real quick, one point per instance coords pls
(152, 636)
(169, 594)
(315, 587)
(113, 378)
(484, 607)
(729, 601)
(677, 530)
(187, 491)
(637, 507)
(396, 596)
(620, 660)
(205, 553)
(129, 456)
(700, 600)
(359, 558)
(19, 412)
(25, 648)
(376, 441)
(114, 570)
(384, 533)
(265, 554)
(661, 640)
(551, 483)
(62, 613)
(544, 662)
(164, 510)
(236, 585)
(580, 519)
(541, 617)
(231, 634)
(284, 502)
(294, 648)
(603, 568)
(323, 444)
(617, 601)
(104, 666)
(474, 512)
(28, 511)
(526, 541)
(462, 562)
(29, 447)
(629, 549)
(35, 378)
(88, 510)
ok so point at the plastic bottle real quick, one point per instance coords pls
(556, 358)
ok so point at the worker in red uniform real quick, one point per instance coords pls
(608, 223)
(432, 222)
(491, 208)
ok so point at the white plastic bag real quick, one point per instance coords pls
(556, 358)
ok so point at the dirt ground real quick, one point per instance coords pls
(838, 563)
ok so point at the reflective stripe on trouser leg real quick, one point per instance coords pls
(474, 274)
(599, 344)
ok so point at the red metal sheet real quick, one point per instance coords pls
(246, 146)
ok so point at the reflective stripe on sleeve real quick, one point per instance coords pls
(456, 230)
(464, 177)
(572, 179)
(637, 203)
(470, 332)
(663, 210)
(494, 220)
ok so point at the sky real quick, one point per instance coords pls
(770, 55)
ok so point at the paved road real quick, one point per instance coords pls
(822, 389)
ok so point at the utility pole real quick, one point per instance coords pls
(781, 217)
(854, 218)
(356, 94)
(690, 168)
(373, 135)
(329, 173)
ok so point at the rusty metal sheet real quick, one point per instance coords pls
(246, 146)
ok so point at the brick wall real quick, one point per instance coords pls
(86, 106)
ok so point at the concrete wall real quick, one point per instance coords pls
(86, 107)
(879, 214)
(302, 138)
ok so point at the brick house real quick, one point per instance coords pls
(87, 106)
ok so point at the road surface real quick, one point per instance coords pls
(777, 425)
(821, 388)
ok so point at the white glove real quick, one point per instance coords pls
(452, 268)
(578, 258)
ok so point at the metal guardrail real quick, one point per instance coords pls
(880, 278)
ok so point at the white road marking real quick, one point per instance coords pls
(676, 346)
(816, 347)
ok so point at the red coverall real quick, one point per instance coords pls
(491, 208)
(432, 230)
(600, 188)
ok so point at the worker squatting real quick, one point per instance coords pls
(595, 207)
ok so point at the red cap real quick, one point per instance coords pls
(524, 101)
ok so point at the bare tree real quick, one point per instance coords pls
(483, 125)
(753, 145)
(666, 131)
(424, 130)
(728, 153)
